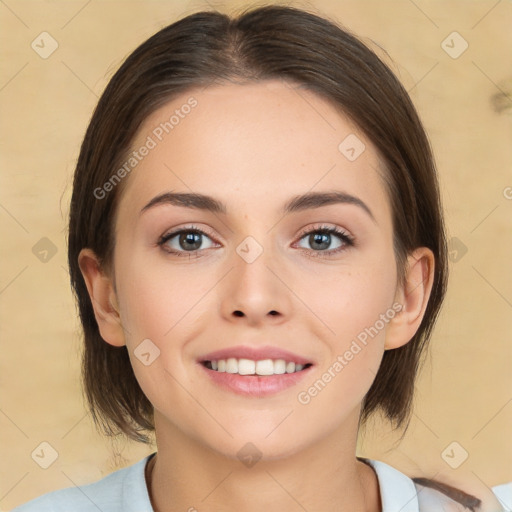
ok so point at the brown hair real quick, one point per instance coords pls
(270, 42)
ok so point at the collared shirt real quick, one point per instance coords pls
(125, 490)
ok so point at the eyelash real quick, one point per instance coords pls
(348, 241)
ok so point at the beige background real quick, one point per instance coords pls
(465, 391)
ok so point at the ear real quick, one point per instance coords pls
(103, 298)
(413, 296)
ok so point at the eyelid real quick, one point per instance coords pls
(322, 226)
(175, 231)
(302, 233)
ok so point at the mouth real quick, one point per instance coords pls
(255, 372)
(262, 367)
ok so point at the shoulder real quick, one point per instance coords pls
(400, 492)
(504, 493)
(432, 494)
(123, 490)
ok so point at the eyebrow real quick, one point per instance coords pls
(299, 203)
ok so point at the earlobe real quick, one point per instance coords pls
(413, 297)
(103, 298)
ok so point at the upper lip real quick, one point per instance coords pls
(254, 353)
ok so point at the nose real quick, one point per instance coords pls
(256, 290)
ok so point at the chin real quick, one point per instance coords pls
(253, 445)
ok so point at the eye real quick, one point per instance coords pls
(189, 241)
(321, 238)
(185, 241)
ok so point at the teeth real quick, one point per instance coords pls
(246, 366)
(279, 366)
(290, 367)
(265, 367)
(231, 365)
(250, 367)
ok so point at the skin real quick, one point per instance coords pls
(253, 147)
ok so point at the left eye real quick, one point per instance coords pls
(321, 238)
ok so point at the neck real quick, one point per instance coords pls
(186, 475)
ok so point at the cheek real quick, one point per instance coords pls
(160, 299)
(353, 299)
(357, 309)
(162, 303)
(357, 312)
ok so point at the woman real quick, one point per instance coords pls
(288, 161)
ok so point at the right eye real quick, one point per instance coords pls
(184, 242)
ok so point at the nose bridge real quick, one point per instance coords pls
(254, 258)
(254, 288)
(256, 236)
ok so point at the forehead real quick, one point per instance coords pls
(261, 141)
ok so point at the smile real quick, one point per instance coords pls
(264, 367)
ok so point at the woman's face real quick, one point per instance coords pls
(261, 277)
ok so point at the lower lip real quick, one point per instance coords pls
(255, 385)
